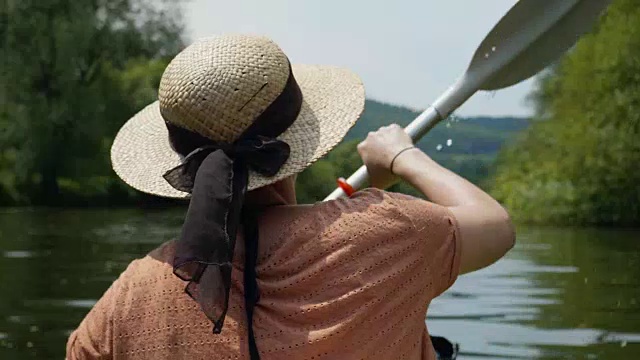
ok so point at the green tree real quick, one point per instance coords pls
(578, 163)
(70, 75)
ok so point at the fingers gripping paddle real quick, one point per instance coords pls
(529, 37)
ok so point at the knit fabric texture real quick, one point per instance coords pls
(344, 279)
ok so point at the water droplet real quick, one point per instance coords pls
(439, 147)
(449, 142)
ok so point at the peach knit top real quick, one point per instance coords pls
(344, 279)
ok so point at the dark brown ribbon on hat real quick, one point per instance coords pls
(217, 176)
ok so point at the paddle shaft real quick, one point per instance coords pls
(457, 94)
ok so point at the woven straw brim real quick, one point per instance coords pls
(333, 101)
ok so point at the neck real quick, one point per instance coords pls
(282, 192)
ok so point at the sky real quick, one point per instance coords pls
(407, 52)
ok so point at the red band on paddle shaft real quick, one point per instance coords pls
(348, 189)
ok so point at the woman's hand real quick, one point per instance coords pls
(378, 150)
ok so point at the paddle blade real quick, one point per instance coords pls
(532, 35)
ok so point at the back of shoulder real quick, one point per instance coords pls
(392, 213)
(126, 306)
(149, 274)
(397, 206)
(422, 212)
(391, 223)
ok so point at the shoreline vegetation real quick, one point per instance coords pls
(578, 163)
(89, 67)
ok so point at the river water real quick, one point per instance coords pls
(559, 294)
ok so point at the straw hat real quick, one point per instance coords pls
(217, 87)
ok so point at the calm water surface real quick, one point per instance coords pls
(560, 294)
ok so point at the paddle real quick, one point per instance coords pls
(527, 39)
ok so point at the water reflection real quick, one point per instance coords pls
(561, 293)
(57, 263)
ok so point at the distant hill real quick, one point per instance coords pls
(467, 146)
(472, 152)
(469, 136)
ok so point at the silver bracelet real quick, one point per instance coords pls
(398, 154)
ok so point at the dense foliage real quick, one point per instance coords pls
(579, 163)
(71, 73)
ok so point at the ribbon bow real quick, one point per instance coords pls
(261, 154)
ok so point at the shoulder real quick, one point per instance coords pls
(141, 275)
(155, 262)
(145, 275)
(389, 214)
(127, 305)
(386, 213)
(361, 201)
(372, 200)
(415, 236)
